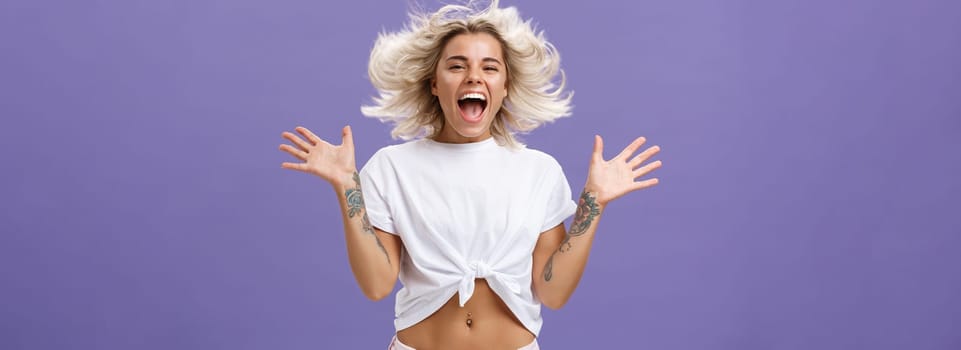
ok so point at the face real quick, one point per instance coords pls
(470, 84)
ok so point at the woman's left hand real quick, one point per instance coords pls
(610, 179)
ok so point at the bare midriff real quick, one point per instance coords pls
(484, 322)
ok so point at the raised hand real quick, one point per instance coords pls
(610, 179)
(336, 164)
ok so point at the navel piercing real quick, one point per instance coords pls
(469, 321)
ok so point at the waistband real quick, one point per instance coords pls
(395, 344)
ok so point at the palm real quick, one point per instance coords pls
(610, 179)
(330, 162)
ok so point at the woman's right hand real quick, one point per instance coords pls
(335, 164)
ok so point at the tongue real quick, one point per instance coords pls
(471, 109)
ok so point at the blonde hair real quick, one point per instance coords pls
(403, 63)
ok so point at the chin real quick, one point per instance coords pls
(463, 128)
(474, 130)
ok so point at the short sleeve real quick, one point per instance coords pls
(559, 204)
(374, 177)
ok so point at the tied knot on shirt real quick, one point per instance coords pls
(480, 269)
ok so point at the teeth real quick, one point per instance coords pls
(473, 95)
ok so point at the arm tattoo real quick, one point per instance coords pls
(549, 268)
(355, 204)
(587, 210)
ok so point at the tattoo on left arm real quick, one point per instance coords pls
(587, 210)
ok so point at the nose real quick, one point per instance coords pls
(473, 77)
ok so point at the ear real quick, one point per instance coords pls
(433, 86)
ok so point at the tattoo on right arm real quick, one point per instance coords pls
(355, 205)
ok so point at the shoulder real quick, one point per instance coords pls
(396, 150)
(537, 158)
(385, 158)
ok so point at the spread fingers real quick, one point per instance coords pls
(296, 140)
(630, 149)
(309, 135)
(641, 158)
(646, 169)
(293, 151)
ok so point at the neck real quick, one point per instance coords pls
(449, 135)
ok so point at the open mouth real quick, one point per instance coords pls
(472, 106)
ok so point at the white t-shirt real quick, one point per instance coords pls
(465, 211)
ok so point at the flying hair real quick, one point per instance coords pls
(402, 64)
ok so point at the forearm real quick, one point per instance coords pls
(563, 269)
(369, 261)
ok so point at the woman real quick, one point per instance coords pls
(469, 220)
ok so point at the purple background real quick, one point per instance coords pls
(809, 198)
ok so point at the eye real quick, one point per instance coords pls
(491, 68)
(456, 67)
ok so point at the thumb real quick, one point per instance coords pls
(598, 154)
(348, 137)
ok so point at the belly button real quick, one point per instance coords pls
(469, 321)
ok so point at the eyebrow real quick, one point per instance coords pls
(463, 58)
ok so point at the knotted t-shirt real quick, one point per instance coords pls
(465, 211)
